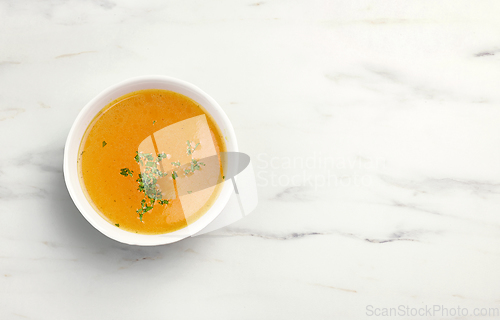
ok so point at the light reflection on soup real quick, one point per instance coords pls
(110, 145)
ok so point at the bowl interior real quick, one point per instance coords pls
(87, 115)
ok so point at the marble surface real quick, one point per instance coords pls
(373, 126)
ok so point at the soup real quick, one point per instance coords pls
(142, 157)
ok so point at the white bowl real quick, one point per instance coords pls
(97, 104)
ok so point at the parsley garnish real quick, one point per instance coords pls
(191, 149)
(126, 172)
(104, 144)
(161, 156)
(117, 224)
(150, 174)
(141, 184)
(148, 181)
(195, 165)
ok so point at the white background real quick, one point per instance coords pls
(374, 127)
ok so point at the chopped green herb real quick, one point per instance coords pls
(195, 165)
(104, 144)
(144, 208)
(223, 177)
(126, 172)
(117, 224)
(148, 181)
(154, 122)
(148, 178)
(191, 149)
(141, 184)
(161, 156)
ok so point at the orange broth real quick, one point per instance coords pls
(110, 144)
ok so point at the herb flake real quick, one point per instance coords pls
(126, 172)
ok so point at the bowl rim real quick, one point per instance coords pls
(70, 169)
